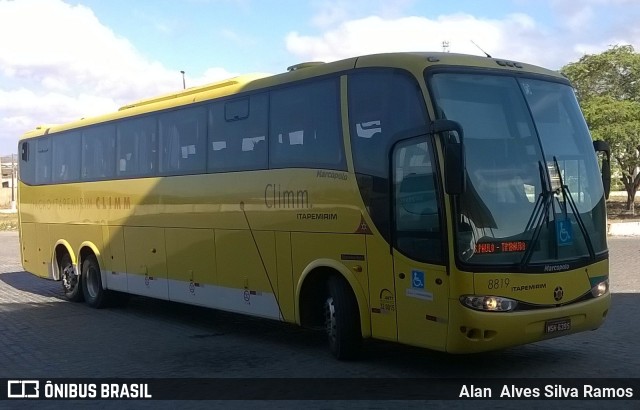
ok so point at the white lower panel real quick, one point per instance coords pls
(146, 285)
(249, 302)
(114, 280)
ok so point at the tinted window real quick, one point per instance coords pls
(99, 152)
(183, 138)
(27, 165)
(137, 148)
(236, 109)
(66, 157)
(43, 160)
(305, 127)
(381, 103)
(238, 134)
(416, 210)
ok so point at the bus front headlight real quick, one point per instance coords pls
(489, 303)
(600, 288)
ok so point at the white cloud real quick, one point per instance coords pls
(515, 36)
(212, 75)
(330, 12)
(59, 107)
(375, 34)
(61, 64)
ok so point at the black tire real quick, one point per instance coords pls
(94, 295)
(71, 281)
(342, 320)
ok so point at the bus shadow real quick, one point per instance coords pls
(26, 282)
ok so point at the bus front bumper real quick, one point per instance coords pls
(474, 331)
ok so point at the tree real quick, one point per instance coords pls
(608, 89)
(618, 123)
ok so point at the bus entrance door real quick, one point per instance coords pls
(421, 302)
(421, 280)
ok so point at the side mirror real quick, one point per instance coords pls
(603, 146)
(453, 143)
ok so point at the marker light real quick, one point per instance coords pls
(489, 303)
(600, 289)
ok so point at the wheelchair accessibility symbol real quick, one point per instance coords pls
(417, 279)
(564, 233)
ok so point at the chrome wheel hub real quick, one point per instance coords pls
(69, 278)
(330, 319)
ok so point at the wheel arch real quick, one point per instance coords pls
(89, 248)
(314, 277)
(61, 248)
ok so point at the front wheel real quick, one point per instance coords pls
(342, 320)
(94, 294)
(71, 283)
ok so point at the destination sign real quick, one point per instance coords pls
(500, 247)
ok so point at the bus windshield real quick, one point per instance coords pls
(534, 193)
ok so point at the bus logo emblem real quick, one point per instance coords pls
(558, 293)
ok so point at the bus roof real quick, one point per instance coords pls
(413, 61)
(235, 81)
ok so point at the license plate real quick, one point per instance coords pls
(557, 325)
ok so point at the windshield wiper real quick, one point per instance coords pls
(539, 215)
(574, 208)
(540, 212)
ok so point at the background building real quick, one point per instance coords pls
(8, 177)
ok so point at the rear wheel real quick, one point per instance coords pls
(342, 320)
(94, 294)
(71, 283)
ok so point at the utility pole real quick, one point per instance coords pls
(184, 84)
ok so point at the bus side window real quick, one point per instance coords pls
(238, 134)
(66, 157)
(381, 103)
(137, 148)
(305, 127)
(43, 160)
(27, 165)
(98, 152)
(183, 141)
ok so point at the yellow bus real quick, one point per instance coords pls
(446, 201)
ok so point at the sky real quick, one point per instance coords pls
(61, 60)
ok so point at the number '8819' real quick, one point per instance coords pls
(498, 283)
